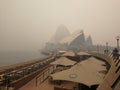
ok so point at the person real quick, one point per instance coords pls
(115, 54)
(106, 51)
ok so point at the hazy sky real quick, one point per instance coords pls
(26, 24)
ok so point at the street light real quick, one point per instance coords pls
(106, 51)
(106, 45)
(117, 38)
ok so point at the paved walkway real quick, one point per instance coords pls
(46, 85)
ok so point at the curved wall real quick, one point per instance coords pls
(112, 78)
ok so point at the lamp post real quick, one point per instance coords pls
(117, 38)
(106, 48)
(106, 45)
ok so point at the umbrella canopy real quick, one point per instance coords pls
(69, 53)
(61, 52)
(86, 72)
(63, 61)
(83, 53)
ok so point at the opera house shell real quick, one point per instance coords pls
(63, 40)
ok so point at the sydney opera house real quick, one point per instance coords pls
(63, 40)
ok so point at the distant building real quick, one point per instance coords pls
(75, 40)
(89, 41)
(61, 33)
(63, 40)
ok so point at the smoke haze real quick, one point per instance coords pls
(28, 24)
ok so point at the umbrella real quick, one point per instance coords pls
(86, 72)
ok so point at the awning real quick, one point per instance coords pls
(83, 53)
(63, 61)
(69, 53)
(86, 72)
(61, 52)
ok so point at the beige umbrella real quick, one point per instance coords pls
(63, 61)
(86, 72)
(69, 53)
(83, 53)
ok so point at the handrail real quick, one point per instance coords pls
(44, 75)
(111, 80)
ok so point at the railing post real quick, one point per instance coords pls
(36, 81)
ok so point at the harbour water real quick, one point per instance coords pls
(8, 58)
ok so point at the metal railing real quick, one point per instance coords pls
(44, 75)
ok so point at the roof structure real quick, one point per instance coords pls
(83, 53)
(72, 37)
(61, 33)
(89, 41)
(63, 61)
(69, 53)
(86, 72)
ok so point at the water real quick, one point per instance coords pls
(7, 58)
